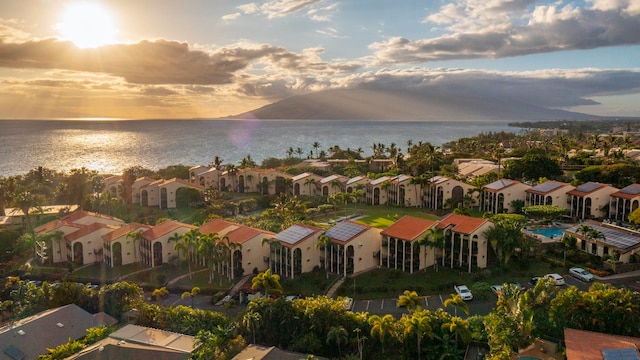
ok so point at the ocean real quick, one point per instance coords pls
(109, 146)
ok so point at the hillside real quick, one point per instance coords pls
(358, 104)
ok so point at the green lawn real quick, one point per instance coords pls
(308, 284)
(201, 280)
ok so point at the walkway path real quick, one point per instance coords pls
(335, 286)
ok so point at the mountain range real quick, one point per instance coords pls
(374, 104)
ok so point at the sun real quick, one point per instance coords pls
(88, 25)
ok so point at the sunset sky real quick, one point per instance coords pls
(213, 58)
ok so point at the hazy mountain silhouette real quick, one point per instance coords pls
(361, 104)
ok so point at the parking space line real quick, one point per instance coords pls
(382, 304)
(442, 301)
(426, 302)
(368, 303)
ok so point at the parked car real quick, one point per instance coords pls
(557, 278)
(581, 274)
(464, 292)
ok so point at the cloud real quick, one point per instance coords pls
(231, 16)
(504, 28)
(280, 8)
(163, 62)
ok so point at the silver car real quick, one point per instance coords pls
(581, 274)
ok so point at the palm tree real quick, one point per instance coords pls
(209, 247)
(316, 146)
(382, 326)
(323, 243)
(228, 248)
(337, 335)
(269, 241)
(267, 282)
(410, 300)
(25, 201)
(420, 325)
(435, 237)
(251, 320)
(191, 294)
(185, 244)
(457, 302)
(459, 327)
(308, 182)
(159, 293)
(135, 236)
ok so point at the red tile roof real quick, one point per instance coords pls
(588, 345)
(462, 224)
(165, 228)
(246, 233)
(408, 228)
(124, 230)
(53, 225)
(77, 215)
(216, 226)
(88, 229)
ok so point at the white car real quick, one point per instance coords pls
(464, 292)
(581, 274)
(557, 278)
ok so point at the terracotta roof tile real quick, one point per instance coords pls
(88, 229)
(408, 228)
(462, 224)
(246, 233)
(124, 230)
(217, 226)
(77, 215)
(165, 228)
(588, 345)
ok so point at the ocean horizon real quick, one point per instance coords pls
(110, 146)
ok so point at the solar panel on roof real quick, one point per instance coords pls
(588, 187)
(620, 354)
(344, 231)
(293, 234)
(546, 186)
(632, 189)
(619, 239)
(497, 185)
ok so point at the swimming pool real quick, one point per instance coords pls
(552, 232)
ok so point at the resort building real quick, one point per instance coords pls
(498, 197)
(474, 168)
(273, 182)
(294, 251)
(376, 191)
(399, 248)
(624, 202)
(357, 183)
(158, 243)
(54, 249)
(354, 248)
(602, 239)
(15, 219)
(334, 184)
(306, 184)
(122, 246)
(465, 242)
(589, 200)
(85, 246)
(245, 252)
(548, 193)
(113, 184)
(165, 194)
(440, 189)
(136, 190)
(403, 192)
(88, 218)
(589, 345)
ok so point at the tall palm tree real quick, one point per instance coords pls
(323, 243)
(186, 244)
(209, 248)
(270, 242)
(267, 282)
(251, 320)
(435, 237)
(228, 249)
(457, 302)
(382, 326)
(316, 146)
(420, 325)
(136, 237)
(337, 335)
(410, 300)
(25, 201)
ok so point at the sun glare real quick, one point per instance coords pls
(88, 25)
